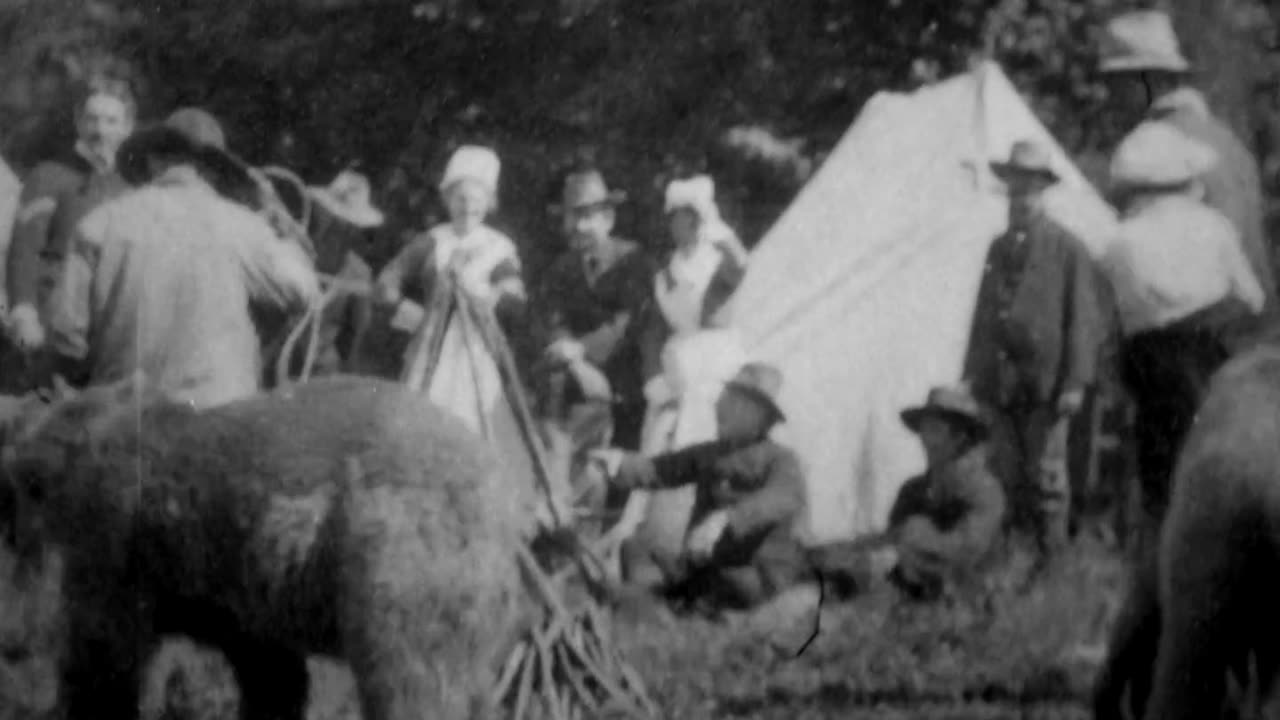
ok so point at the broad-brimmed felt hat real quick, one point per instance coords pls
(762, 383)
(1027, 159)
(955, 404)
(349, 197)
(587, 189)
(1141, 41)
(189, 132)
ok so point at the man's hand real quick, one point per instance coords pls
(702, 541)
(566, 350)
(25, 328)
(1070, 402)
(408, 316)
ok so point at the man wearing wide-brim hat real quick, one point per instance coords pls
(946, 523)
(750, 491)
(589, 306)
(342, 212)
(1183, 287)
(1033, 347)
(1148, 77)
(161, 279)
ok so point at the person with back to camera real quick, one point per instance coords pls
(161, 279)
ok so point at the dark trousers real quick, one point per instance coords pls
(1167, 371)
(1039, 501)
(741, 575)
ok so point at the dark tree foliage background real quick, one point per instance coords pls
(650, 88)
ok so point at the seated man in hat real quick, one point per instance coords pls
(946, 522)
(1148, 78)
(740, 552)
(589, 307)
(160, 280)
(1038, 324)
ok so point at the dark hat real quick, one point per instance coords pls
(1026, 159)
(189, 132)
(762, 382)
(955, 403)
(585, 189)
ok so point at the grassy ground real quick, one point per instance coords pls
(1023, 654)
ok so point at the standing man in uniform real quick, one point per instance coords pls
(1148, 78)
(1034, 346)
(56, 195)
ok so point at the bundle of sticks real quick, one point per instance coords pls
(567, 666)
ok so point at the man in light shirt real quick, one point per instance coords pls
(1182, 283)
(1148, 78)
(161, 279)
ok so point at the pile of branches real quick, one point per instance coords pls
(567, 667)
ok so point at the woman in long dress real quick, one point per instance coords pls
(688, 360)
(453, 285)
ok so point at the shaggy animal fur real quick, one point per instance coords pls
(240, 527)
(1203, 599)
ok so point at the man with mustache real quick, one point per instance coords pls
(56, 195)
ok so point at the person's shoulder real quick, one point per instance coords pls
(776, 454)
(53, 174)
(499, 239)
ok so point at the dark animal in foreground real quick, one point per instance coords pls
(1203, 598)
(242, 527)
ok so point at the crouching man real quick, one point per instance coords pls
(946, 523)
(740, 552)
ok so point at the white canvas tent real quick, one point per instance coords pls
(863, 291)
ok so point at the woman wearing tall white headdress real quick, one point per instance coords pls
(705, 267)
(688, 360)
(480, 259)
(456, 362)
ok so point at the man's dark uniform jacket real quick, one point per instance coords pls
(606, 317)
(55, 196)
(761, 486)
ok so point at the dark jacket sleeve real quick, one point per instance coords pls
(674, 469)
(36, 206)
(723, 285)
(911, 500)
(1087, 321)
(979, 367)
(633, 293)
(548, 301)
(778, 501)
(399, 273)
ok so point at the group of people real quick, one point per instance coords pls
(147, 252)
(1185, 283)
